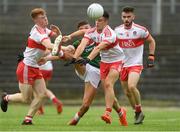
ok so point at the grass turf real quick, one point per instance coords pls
(156, 119)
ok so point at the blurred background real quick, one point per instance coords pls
(161, 17)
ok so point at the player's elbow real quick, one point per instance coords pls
(152, 42)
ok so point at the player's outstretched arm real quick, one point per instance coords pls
(43, 60)
(81, 47)
(73, 35)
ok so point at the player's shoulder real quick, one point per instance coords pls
(108, 31)
(140, 27)
(35, 31)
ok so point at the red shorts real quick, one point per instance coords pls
(27, 74)
(47, 74)
(105, 68)
(126, 70)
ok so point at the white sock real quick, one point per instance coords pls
(76, 117)
(28, 118)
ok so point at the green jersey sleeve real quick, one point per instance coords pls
(76, 43)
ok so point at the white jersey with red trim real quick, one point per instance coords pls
(132, 42)
(34, 49)
(113, 52)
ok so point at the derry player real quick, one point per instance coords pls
(28, 73)
(111, 58)
(131, 38)
(47, 71)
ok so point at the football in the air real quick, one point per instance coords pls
(95, 11)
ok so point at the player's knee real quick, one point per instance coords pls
(42, 95)
(108, 85)
(132, 87)
(27, 99)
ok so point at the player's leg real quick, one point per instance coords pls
(92, 79)
(132, 85)
(41, 108)
(80, 69)
(25, 96)
(124, 83)
(26, 89)
(39, 88)
(108, 85)
(121, 112)
(26, 92)
(128, 94)
(47, 75)
(89, 94)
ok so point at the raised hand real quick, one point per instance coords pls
(66, 38)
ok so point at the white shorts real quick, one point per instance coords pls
(91, 75)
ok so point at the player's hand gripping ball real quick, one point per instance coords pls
(95, 11)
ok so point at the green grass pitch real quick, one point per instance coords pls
(157, 119)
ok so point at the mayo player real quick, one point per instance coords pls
(131, 38)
